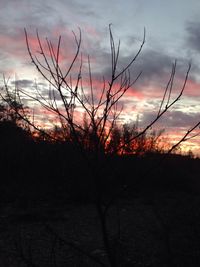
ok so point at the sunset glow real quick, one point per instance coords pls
(177, 39)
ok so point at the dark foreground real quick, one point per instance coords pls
(156, 229)
(47, 218)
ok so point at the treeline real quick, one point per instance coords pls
(38, 168)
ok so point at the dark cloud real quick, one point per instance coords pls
(23, 83)
(172, 119)
(193, 38)
(155, 65)
(46, 93)
(192, 43)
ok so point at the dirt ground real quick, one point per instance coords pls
(160, 229)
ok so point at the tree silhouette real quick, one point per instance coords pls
(89, 120)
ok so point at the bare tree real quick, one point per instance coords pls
(96, 133)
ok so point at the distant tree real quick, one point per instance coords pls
(190, 154)
(14, 130)
(122, 135)
(90, 121)
(12, 109)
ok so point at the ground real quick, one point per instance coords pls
(156, 229)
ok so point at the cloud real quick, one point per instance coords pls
(193, 38)
(172, 119)
(23, 83)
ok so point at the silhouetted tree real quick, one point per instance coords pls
(90, 121)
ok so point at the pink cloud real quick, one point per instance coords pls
(192, 89)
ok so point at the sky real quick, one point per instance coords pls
(172, 33)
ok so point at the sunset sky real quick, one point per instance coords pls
(172, 33)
